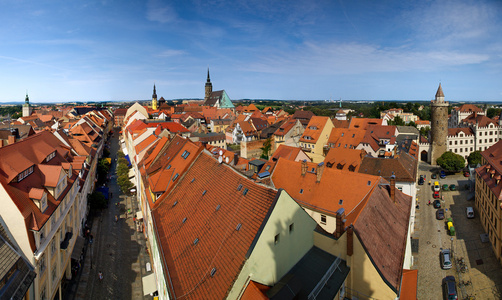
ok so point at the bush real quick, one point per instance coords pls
(451, 162)
(97, 200)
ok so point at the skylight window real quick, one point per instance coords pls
(204, 192)
(185, 154)
(301, 191)
(238, 227)
(340, 202)
(168, 167)
(369, 182)
(213, 271)
(239, 187)
(245, 192)
(175, 202)
(218, 207)
(196, 241)
(184, 220)
(193, 179)
(176, 176)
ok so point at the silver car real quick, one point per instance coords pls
(445, 259)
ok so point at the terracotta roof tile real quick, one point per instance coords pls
(196, 228)
(314, 129)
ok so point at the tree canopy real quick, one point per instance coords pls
(451, 161)
(474, 158)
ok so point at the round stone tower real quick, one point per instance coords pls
(439, 126)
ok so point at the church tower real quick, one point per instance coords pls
(439, 126)
(209, 87)
(26, 106)
(154, 98)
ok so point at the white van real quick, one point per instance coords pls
(437, 188)
(470, 212)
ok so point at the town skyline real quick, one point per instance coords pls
(105, 51)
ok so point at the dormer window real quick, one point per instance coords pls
(313, 127)
(24, 174)
(50, 156)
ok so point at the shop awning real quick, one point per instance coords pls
(139, 215)
(77, 249)
(149, 285)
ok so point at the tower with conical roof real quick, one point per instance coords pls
(209, 87)
(26, 106)
(154, 98)
(439, 126)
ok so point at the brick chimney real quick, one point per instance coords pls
(319, 170)
(11, 139)
(340, 222)
(393, 188)
(304, 167)
(236, 159)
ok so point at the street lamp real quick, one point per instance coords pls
(90, 244)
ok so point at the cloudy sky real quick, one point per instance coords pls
(259, 49)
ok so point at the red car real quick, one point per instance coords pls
(466, 174)
(436, 194)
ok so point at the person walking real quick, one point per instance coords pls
(100, 276)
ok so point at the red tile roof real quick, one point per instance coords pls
(344, 158)
(314, 129)
(286, 152)
(409, 285)
(196, 228)
(255, 291)
(363, 123)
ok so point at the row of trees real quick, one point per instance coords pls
(453, 162)
(123, 173)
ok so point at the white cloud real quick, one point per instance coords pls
(157, 11)
(171, 52)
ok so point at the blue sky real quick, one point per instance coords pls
(355, 50)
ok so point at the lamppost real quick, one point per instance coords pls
(90, 244)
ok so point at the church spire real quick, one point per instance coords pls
(208, 88)
(154, 95)
(27, 99)
(208, 79)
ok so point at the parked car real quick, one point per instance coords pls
(467, 174)
(470, 212)
(436, 194)
(436, 186)
(445, 187)
(449, 288)
(437, 204)
(452, 187)
(445, 259)
(440, 214)
(421, 180)
(434, 176)
(442, 174)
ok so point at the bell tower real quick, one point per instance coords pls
(26, 106)
(439, 126)
(154, 98)
(209, 87)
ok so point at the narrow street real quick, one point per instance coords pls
(118, 249)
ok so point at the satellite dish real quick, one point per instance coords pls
(221, 152)
(226, 159)
(220, 159)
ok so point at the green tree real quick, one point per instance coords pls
(265, 150)
(97, 200)
(493, 112)
(474, 158)
(102, 170)
(451, 161)
(397, 121)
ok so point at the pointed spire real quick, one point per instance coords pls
(439, 93)
(154, 92)
(208, 79)
(27, 99)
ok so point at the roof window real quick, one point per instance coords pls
(175, 202)
(204, 192)
(168, 167)
(239, 187)
(196, 241)
(340, 202)
(238, 227)
(245, 192)
(218, 207)
(213, 271)
(301, 191)
(176, 176)
(184, 220)
(185, 154)
(193, 179)
(369, 182)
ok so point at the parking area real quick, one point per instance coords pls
(482, 272)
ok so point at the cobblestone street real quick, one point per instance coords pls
(483, 270)
(118, 250)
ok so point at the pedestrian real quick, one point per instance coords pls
(116, 218)
(100, 276)
(429, 202)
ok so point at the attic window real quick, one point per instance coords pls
(238, 227)
(353, 135)
(204, 192)
(239, 187)
(369, 182)
(193, 179)
(301, 191)
(184, 220)
(342, 133)
(176, 176)
(51, 156)
(175, 202)
(196, 241)
(213, 271)
(313, 170)
(24, 174)
(245, 192)
(185, 154)
(340, 202)
(218, 207)
(168, 167)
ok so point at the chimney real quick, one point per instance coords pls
(11, 139)
(236, 159)
(393, 188)
(340, 222)
(320, 169)
(304, 167)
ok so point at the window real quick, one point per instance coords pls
(291, 227)
(43, 295)
(301, 191)
(53, 246)
(54, 275)
(323, 219)
(185, 154)
(176, 176)
(276, 239)
(41, 264)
